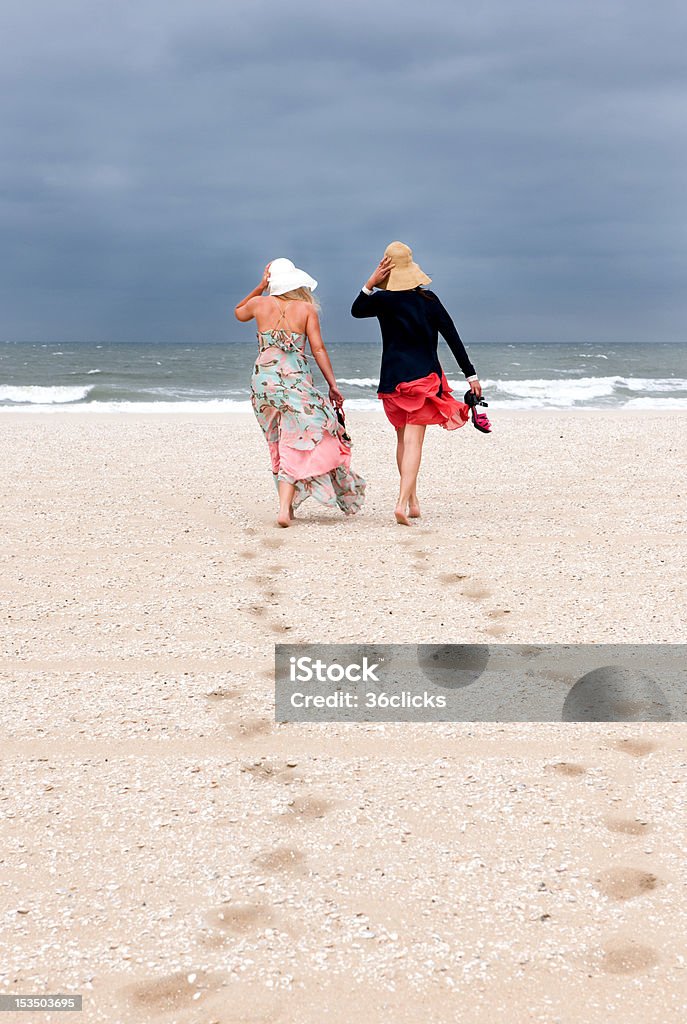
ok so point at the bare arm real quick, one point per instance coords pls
(245, 309)
(321, 356)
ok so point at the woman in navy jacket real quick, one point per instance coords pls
(412, 384)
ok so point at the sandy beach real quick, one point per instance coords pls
(176, 856)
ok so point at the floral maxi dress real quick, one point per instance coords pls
(305, 439)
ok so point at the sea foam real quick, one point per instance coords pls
(39, 394)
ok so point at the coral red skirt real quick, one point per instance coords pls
(418, 401)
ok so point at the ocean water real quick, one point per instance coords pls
(215, 377)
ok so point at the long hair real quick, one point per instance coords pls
(425, 294)
(299, 295)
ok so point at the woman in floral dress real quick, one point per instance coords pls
(309, 449)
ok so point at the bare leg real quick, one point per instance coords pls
(414, 435)
(286, 493)
(413, 503)
(400, 434)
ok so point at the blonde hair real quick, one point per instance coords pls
(299, 295)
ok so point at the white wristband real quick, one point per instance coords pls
(474, 377)
(365, 290)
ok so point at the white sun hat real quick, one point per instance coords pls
(284, 276)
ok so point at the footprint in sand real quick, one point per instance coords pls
(174, 991)
(497, 615)
(628, 826)
(307, 808)
(269, 771)
(282, 858)
(230, 920)
(627, 883)
(270, 592)
(628, 957)
(615, 694)
(452, 665)
(272, 542)
(252, 727)
(247, 553)
(261, 581)
(452, 577)
(221, 694)
(476, 592)
(638, 748)
(567, 768)
(279, 628)
(239, 916)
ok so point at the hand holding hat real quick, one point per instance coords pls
(284, 276)
(380, 273)
(264, 283)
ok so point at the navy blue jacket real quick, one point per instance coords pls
(411, 324)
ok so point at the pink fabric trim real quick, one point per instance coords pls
(302, 464)
(416, 401)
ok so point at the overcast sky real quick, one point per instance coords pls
(156, 154)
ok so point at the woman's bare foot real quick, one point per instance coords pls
(284, 518)
(414, 509)
(401, 517)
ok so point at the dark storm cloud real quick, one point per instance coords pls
(156, 155)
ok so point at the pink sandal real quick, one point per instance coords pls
(480, 420)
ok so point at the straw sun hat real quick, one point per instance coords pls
(406, 273)
(284, 276)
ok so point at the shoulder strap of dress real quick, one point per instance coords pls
(282, 316)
